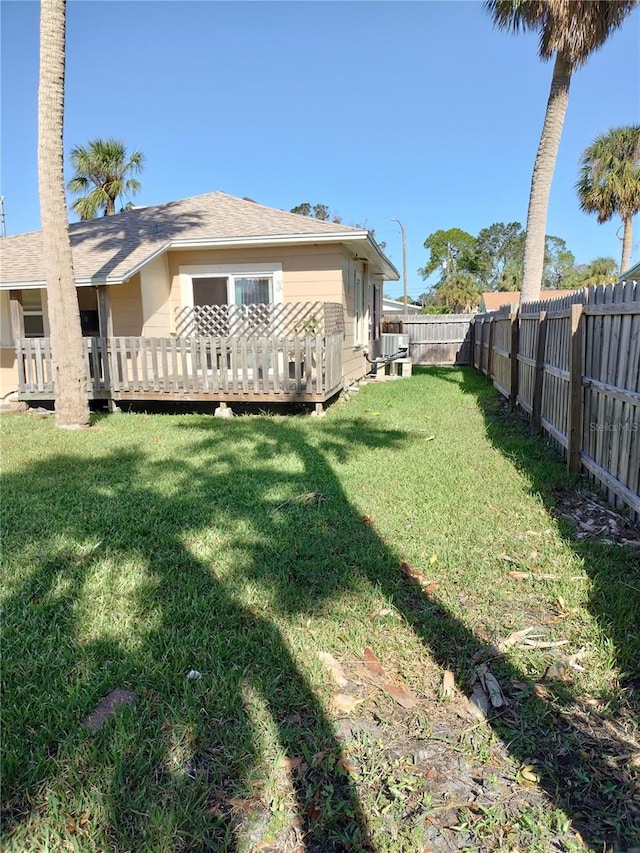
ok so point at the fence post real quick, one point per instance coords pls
(490, 349)
(513, 390)
(536, 417)
(576, 397)
(472, 339)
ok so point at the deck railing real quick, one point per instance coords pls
(249, 368)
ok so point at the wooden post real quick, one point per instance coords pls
(576, 397)
(513, 395)
(472, 342)
(17, 315)
(490, 349)
(536, 418)
(105, 319)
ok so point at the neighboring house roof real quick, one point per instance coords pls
(492, 300)
(632, 274)
(395, 306)
(111, 249)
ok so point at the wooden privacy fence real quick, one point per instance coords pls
(195, 368)
(573, 364)
(434, 338)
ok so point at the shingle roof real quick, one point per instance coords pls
(113, 248)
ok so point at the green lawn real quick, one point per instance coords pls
(152, 545)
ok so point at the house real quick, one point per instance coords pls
(397, 306)
(632, 274)
(492, 300)
(201, 298)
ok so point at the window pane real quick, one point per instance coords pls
(33, 326)
(253, 291)
(209, 291)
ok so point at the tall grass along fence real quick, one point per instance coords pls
(434, 338)
(573, 365)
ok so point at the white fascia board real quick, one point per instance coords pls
(22, 285)
(271, 240)
(41, 285)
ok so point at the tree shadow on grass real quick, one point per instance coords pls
(214, 551)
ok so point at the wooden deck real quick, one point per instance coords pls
(241, 369)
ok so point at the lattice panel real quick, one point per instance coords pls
(290, 319)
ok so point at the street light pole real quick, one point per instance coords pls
(404, 263)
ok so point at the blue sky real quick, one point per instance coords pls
(419, 111)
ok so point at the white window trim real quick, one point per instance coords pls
(360, 309)
(43, 311)
(229, 271)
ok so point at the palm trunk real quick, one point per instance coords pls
(71, 406)
(627, 242)
(543, 169)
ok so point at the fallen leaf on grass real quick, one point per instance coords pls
(400, 693)
(507, 558)
(541, 692)
(372, 663)
(334, 668)
(395, 689)
(427, 586)
(368, 519)
(292, 762)
(448, 684)
(490, 686)
(248, 805)
(557, 672)
(76, 825)
(346, 702)
(478, 703)
(515, 638)
(528, 774)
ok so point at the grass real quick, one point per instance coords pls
(152, 545)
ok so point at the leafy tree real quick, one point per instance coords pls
(559, 263)
(570, 31)
(315, 211)
(71, 405)
(449, 251)
(498, 252)
(102, 175)
(609, 181)
(458, 293)
(303, 209)
(597, 271)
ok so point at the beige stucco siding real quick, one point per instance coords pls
(8, 371)
(310, 273)
(126, 308)
(155, 290)
(6, 338)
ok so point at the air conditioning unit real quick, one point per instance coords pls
(391, 344)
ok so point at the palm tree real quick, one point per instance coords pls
(570, 30)
(609, 180)
(71, 406)
(102, 174)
